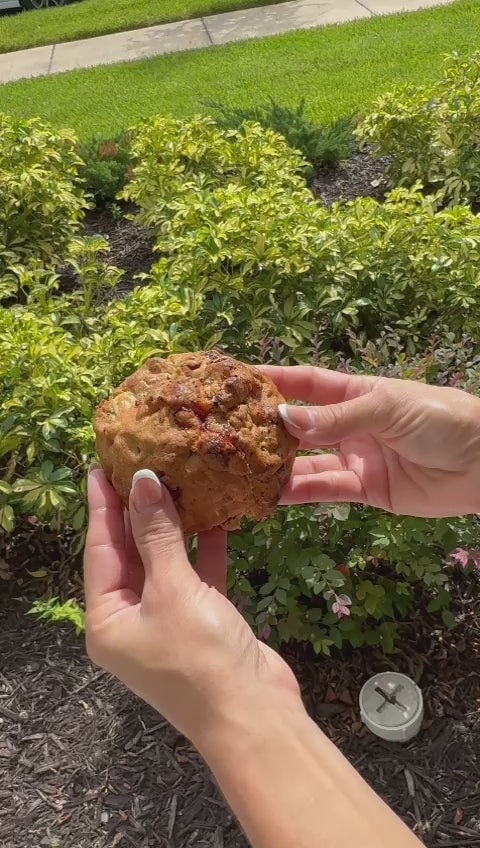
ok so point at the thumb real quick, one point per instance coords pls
(157, 532)
(322, 426)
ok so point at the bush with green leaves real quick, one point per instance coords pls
(432, 133)
(269, 274)
(106, 162)
(41, 198)
(171, 156)
(324, 146)
(105, 166)
(227, 231)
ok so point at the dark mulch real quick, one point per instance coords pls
(131, 246)
(131, 249)
(360, 176)
(84, 764)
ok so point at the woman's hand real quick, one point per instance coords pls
(170, 634)
(403, 446)
(167, 631)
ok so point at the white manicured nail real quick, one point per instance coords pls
(149, 493)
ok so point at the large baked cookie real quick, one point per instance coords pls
(208, 425)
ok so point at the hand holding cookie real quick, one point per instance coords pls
(166, 630)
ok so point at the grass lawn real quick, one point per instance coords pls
(96, 17)
(339, 69)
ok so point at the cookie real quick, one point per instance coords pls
(208, 425)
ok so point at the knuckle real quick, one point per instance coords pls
(156, 533)
(335, 485)
(330, 417)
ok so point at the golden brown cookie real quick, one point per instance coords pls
(208, 425)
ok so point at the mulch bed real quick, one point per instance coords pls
(84, 764)
(360, 176)
(131, 246)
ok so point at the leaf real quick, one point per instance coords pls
(442, 599)
(341, 512)
(335, 579)
(336, 637)
(5, 573)
(54, 498)
(78, 519)
(372, 637)
(24, 485)
(449, 619)
(7, 518)
(40, 572)
(46, 469)
(316, 615)
(264, 603)
(387, 632)
(324, 562)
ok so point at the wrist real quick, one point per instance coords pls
(249, 724)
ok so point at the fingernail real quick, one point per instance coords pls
(94, 466)
(297, 416)
(283, 412)
(146, 489)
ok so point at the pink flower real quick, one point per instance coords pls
(460, 556)
(475, 557)
(240, 601)
(341, 605)
(457, 378)
(463, 557)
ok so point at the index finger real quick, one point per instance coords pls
(315, 385)
(105, 561)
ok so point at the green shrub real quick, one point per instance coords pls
(250, 261)
(399, 263)
(295, 567)
(224, 230)
(171, 156)
(323, 146)
(41, 199)
(282, 571)
(53, 610)
(105, 167)
(432, 133)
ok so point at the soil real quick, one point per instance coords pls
(131, 246)
(85, 764)
(360, 176)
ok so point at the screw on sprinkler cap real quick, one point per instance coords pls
(391, 706)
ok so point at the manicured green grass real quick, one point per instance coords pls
(339, 69)
(96, 17)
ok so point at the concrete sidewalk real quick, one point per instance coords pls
(190, 35)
